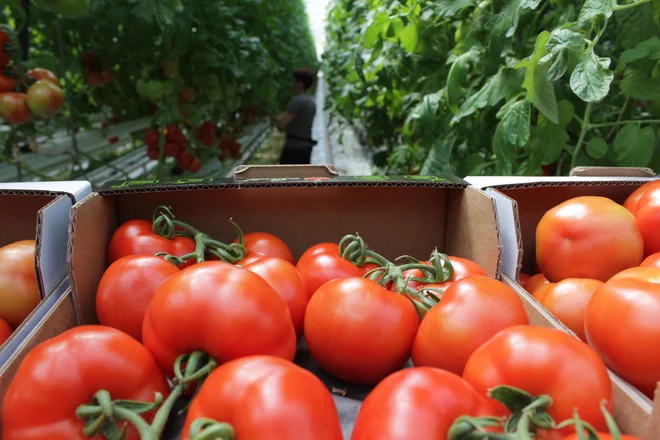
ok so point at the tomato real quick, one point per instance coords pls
(462, 268)
(567, 301)
(153, 153)
(45, 99)
(603, 436)
(14, 108)
(266, 397)
(19, 291)
(8, 79)
(622, 326)
(184, 159)
(463, 320)
(187, 94)
(540, 293)
(267, 244)
(284, 278)
(358, 331)
(93, 78)
(152, 138)
(126, 289)
(417, 403)
(226, 311)
(543, 360)
(575, 240)
(647, 214)
(136, 237)
(534, 282)
(174, 135)
(652, 260)
(323, 263)
(251, 257)
(43, 74)
(66, 371)
(5, 331)
(522, 278)
(170, 69)
(633, 199)
(5, 49)
(195, 165)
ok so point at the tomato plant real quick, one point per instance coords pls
(575, 240)
(126, 289)
(255, 396)
(255, 319)
(19, 290)
(77, 364)
(631, 297)
(463, 320)
(358, 331)
(568, 300)
(526, 357)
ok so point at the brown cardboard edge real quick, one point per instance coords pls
(612, 172)
(632, 410)
(510, 186)
(275, 171)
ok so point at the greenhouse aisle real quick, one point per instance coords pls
(348, 156)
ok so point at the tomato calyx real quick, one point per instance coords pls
(209, 429)
(586, 431)
(354, 249)
(475, 428)
(165, 225)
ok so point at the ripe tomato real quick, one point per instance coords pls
(568, 299)
(462, 268)
(187, 94)
(19, 291)
(126, 289)
(153, 153)
(647, 214)
(652, 260)
(417, 403)
(633, 199)
(43, 74)
(8, 79)
(534, 282)
(14, 108)
(266, 397)
(152, 138)
(5, 49)
(195, 165)
(284, 278)
(5, 331)
(226, 311)
(136, 237)
(542, 291)
(323, 263)
(522, 278)
(174, 135)
(64, 372)
(630, 299)
(575, 240)
(45, 99)
(251, 257)
(184, 159)
(603, 436)
(268, 245)
(463, 320)
(543, 360)
(358, 330)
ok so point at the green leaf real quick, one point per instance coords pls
(540, 91)
(634, 25)
(469, 165)
(457, 74)
(647, 48)
(594, 9)
(373, 32)
(449, 8)
(592, 77)
(511, 134)
(492, 92)
(548, 139)
(561, 39)
(637, 84)
(427, 109)
(655, 6)
(597, 147)
(438, 159)
(409, 38)
(634, 146)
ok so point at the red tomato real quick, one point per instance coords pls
(45, 99)
(633, 199)
(575, 240)
(540, 361)
(184, 159)
(522, 278)
(136, 237)
(264, 397)
(323, 263)
(568, 299)
(66, 371)
(462, 268)
(417, 403)
(126, 289)
(622, 325)
(8, 78)
(268, 245)
(14, 108)
(283, 277)
(195, 165)
(603, 436)
(5, 331)
(358, 330)
(43, 74)
(251, 258)
(534, 282)
(152, 138)
(19, 291)
(5, 49)
(226, 311)
(540, 293)
(188, 94)
(652, 261)
(153, 153)
(463, 320)
(172, 149)
(647, 215)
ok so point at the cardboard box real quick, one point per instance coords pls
(37, 211)
(521, 202)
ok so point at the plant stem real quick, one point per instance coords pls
(611, 124)
(624, 108)
(618, 7)
(583, 133)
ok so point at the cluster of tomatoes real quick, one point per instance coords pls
(19, 291)
(599, 265)
(175, 146)
(36, 93)
(95, 73)
(226, 332)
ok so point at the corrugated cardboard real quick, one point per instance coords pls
(522, 201)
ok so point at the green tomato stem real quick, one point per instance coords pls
(583, 133)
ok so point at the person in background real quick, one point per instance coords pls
(297, 121)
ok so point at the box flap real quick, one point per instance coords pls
(612, 172)
(275, 171)
(509, 223)
(78, 189)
